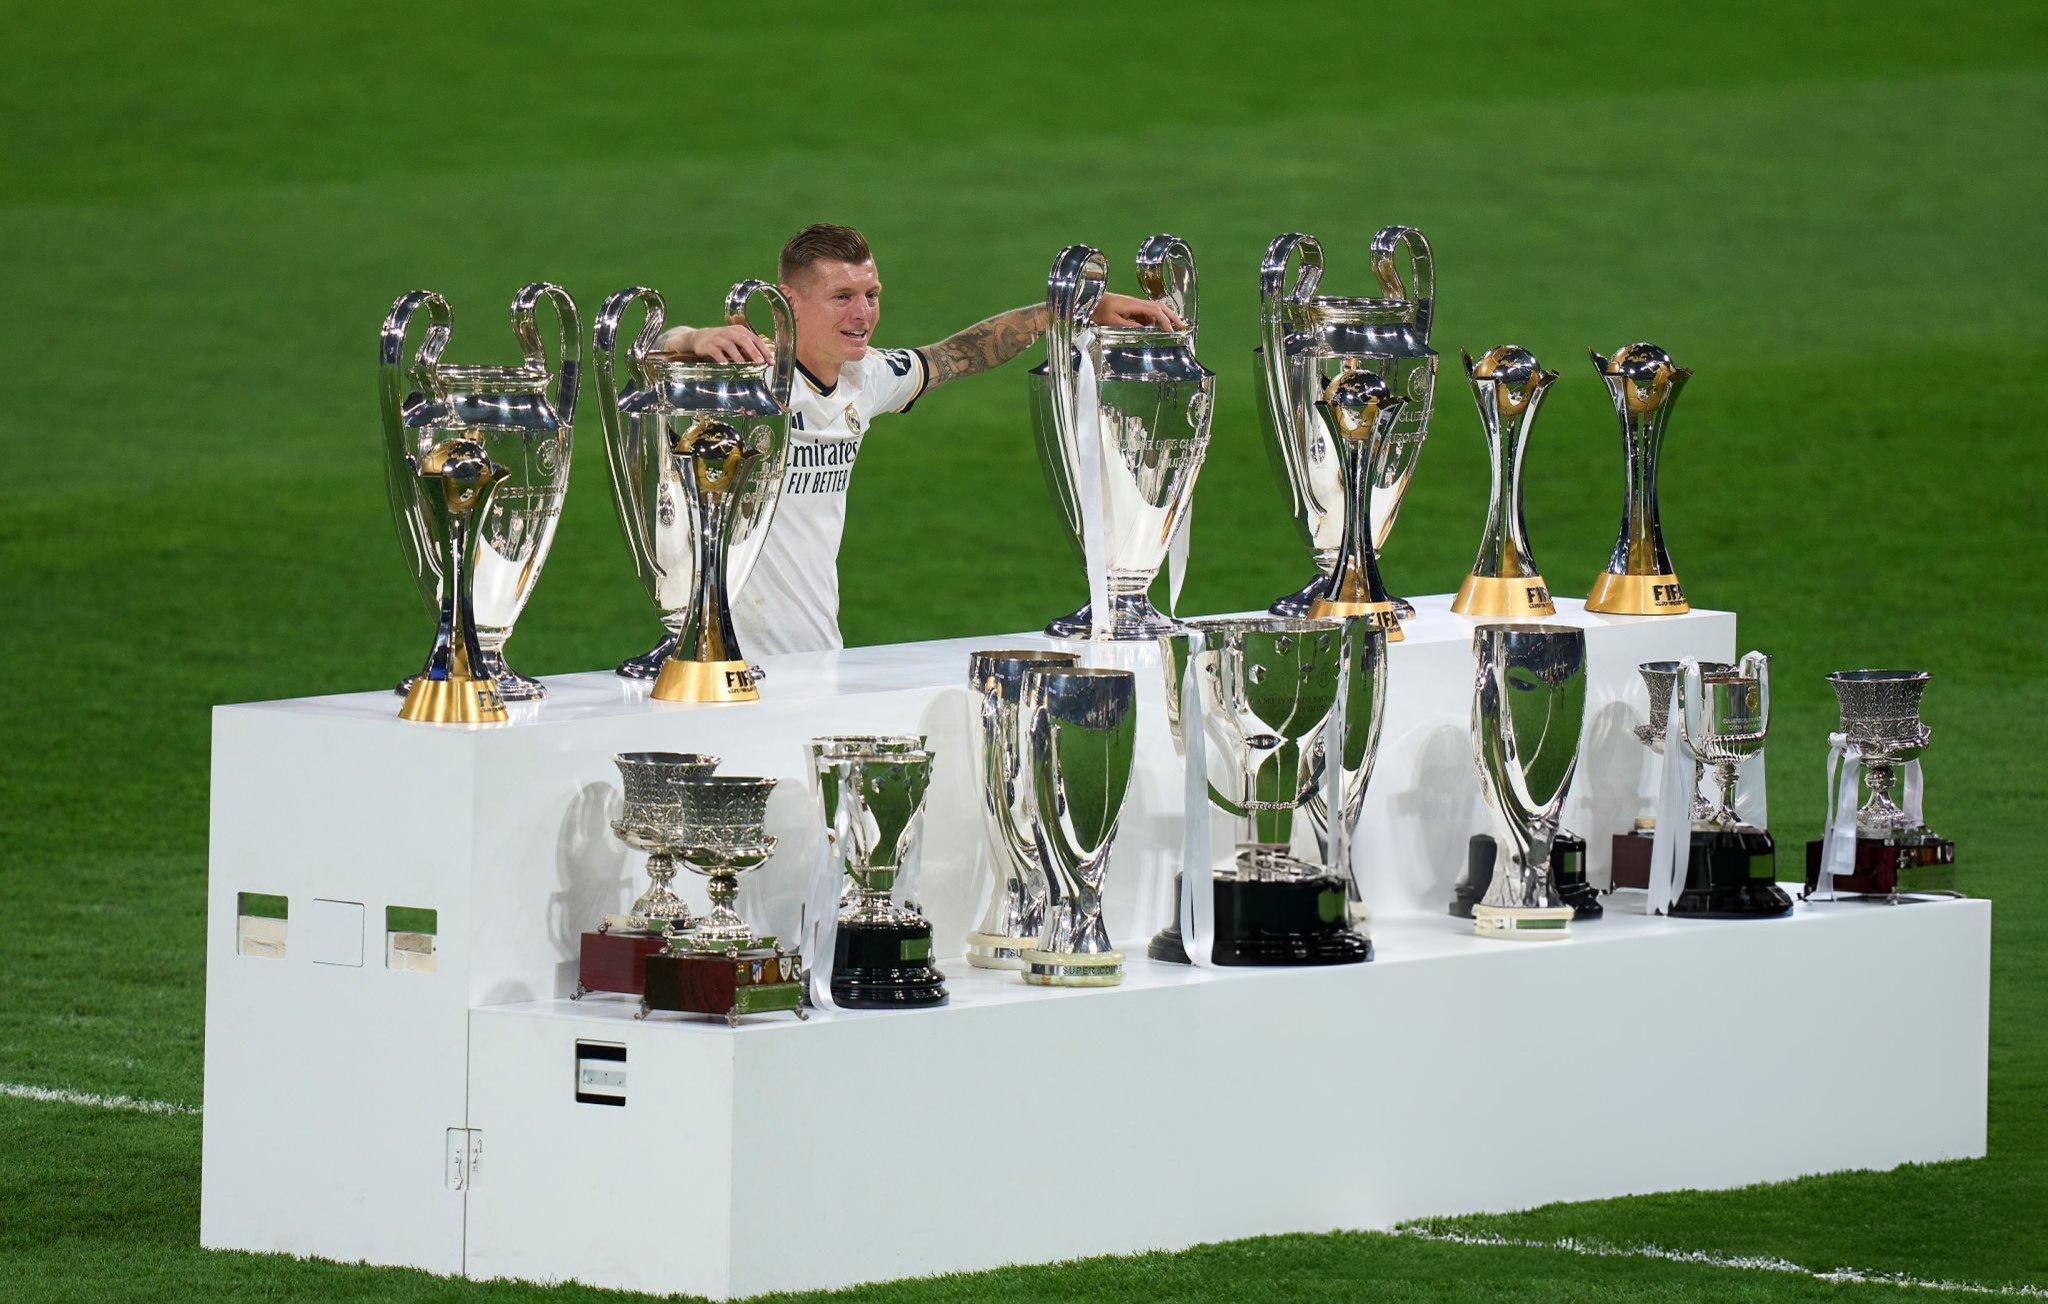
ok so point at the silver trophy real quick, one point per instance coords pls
(1508, 384)
(1881, 727)
(457, 480)
(724, 822)
(1659, 677)
(1639, 581)
(663, 397)
(717, 469)
(1268, 686)
(651, 820)
(1305, 342)
(1528, 711)
(1362, 413)
(824, 788)
(1016, 907)
(1146, 426)
(1723, 727)
(1080, 729)
(523, 424)
(875, 803)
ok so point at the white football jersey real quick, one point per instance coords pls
(791, 601)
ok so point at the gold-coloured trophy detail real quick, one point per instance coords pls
(715, 467)
(1360, 412)
(1508, 384)
(456, 480)
(1639, 580)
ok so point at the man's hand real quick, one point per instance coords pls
(717, 344)
(1123, 310)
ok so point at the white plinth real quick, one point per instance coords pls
(333, 1074)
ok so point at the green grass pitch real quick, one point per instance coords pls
(1832, 213)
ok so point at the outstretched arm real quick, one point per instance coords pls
(989, 344)
(715, 344)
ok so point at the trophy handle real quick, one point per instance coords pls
(1757, 666)
(627, 492)
(736, 301)
(1276, 295)
(568, 342)
(1166, 272)
(1691, 718)
(1074, 287)
(1422, 269)
(394, 374)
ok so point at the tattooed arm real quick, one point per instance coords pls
(989, 344)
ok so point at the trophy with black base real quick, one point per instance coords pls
(722, 967)
(1268, 686)
(873, 803)
(1631, 850)
(1731, 867)
(1890, 854)
(612, 958)
(1567, 876)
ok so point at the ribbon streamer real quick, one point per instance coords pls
(1838, 839)
(1197, 877)
(1088, 481)
(1672, 844)
(1177, 557)
(820, 930)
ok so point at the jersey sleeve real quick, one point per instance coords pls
(894, 379)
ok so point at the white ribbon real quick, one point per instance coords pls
(1088, 481)
(1838, 839)
(820, 928)
(1671, 847)
(1197, 876)
(1177, 556)
(1338, 853)
(1916, 794)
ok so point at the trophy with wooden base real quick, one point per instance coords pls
(1630, 853)
(1528, 713)
(611, 959)
(1885, 851)
(722, 967)
(1508, 384)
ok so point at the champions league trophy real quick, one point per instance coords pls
(1126, 420)
(1016, 908)
(1268, 686)
(722, 967)
(1359, 408)
(1528, 712)
(651, 820)
(1307, 341)
(1631, 850)
(523, 428)
(874, 806)
(1731, 868)
(663, 398)
(1080, 727)
(1887, 850)
(457, 480)
(1508, 384)
(1638, 581)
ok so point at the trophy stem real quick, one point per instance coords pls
(723, 923)
(449, 689)
(707, 665)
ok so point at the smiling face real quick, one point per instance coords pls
(837, 308)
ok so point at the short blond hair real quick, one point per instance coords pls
(819, 242)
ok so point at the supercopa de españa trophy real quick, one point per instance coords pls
(1639, 581)
(1362, 414)
(1528, 712)
(1508, 384)
(715, 466)
(613, 959)
(456, 480)
(1887, 850)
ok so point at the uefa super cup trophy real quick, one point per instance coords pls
(650, 820)
(1305, 342)
(1528, 712)
(1268, 686)
(1363, 413)
(1631, 850)
(526, 430)
(1127, 413)
(1731, 867)
(1016, 908)
(1893, 854)
(1638, 581)
(1080, 729)
(457, 480)
(663, 397)
(1508, 384)
(874, 804)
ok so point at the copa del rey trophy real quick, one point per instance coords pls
(1528, 713)
(1508, 384)
(872, 799)
(1122, 418)
(523, 416)
(646, 402)
(1306, 341)
(1884, 849)
(1639, 581)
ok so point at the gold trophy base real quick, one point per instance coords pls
(1072, 969)
(1483, 595)
(1637, 595)
(705, 681)
(459, 700)
(1380, 615)
(1531, 924)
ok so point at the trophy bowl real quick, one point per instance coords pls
(724, 835)
(651, 820)
(1881, 724)
(1528, 716)
(1080, 734)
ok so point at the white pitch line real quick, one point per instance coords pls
(1754, 1263)
(57, 1096)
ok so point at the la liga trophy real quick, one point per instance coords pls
(644, 403)
(874, 802)
(1306, 341)
(1885, 849)
(1122, 419)
(524, 417)
(1508, 384)
(1528, 713)
(1362, 412)
(457, 479)
(1080, 731)
(1015, 914)
(612, 959)
(1639, 581)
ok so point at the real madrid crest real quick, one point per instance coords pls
(852, 419)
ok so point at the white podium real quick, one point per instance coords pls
(375, 1095)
